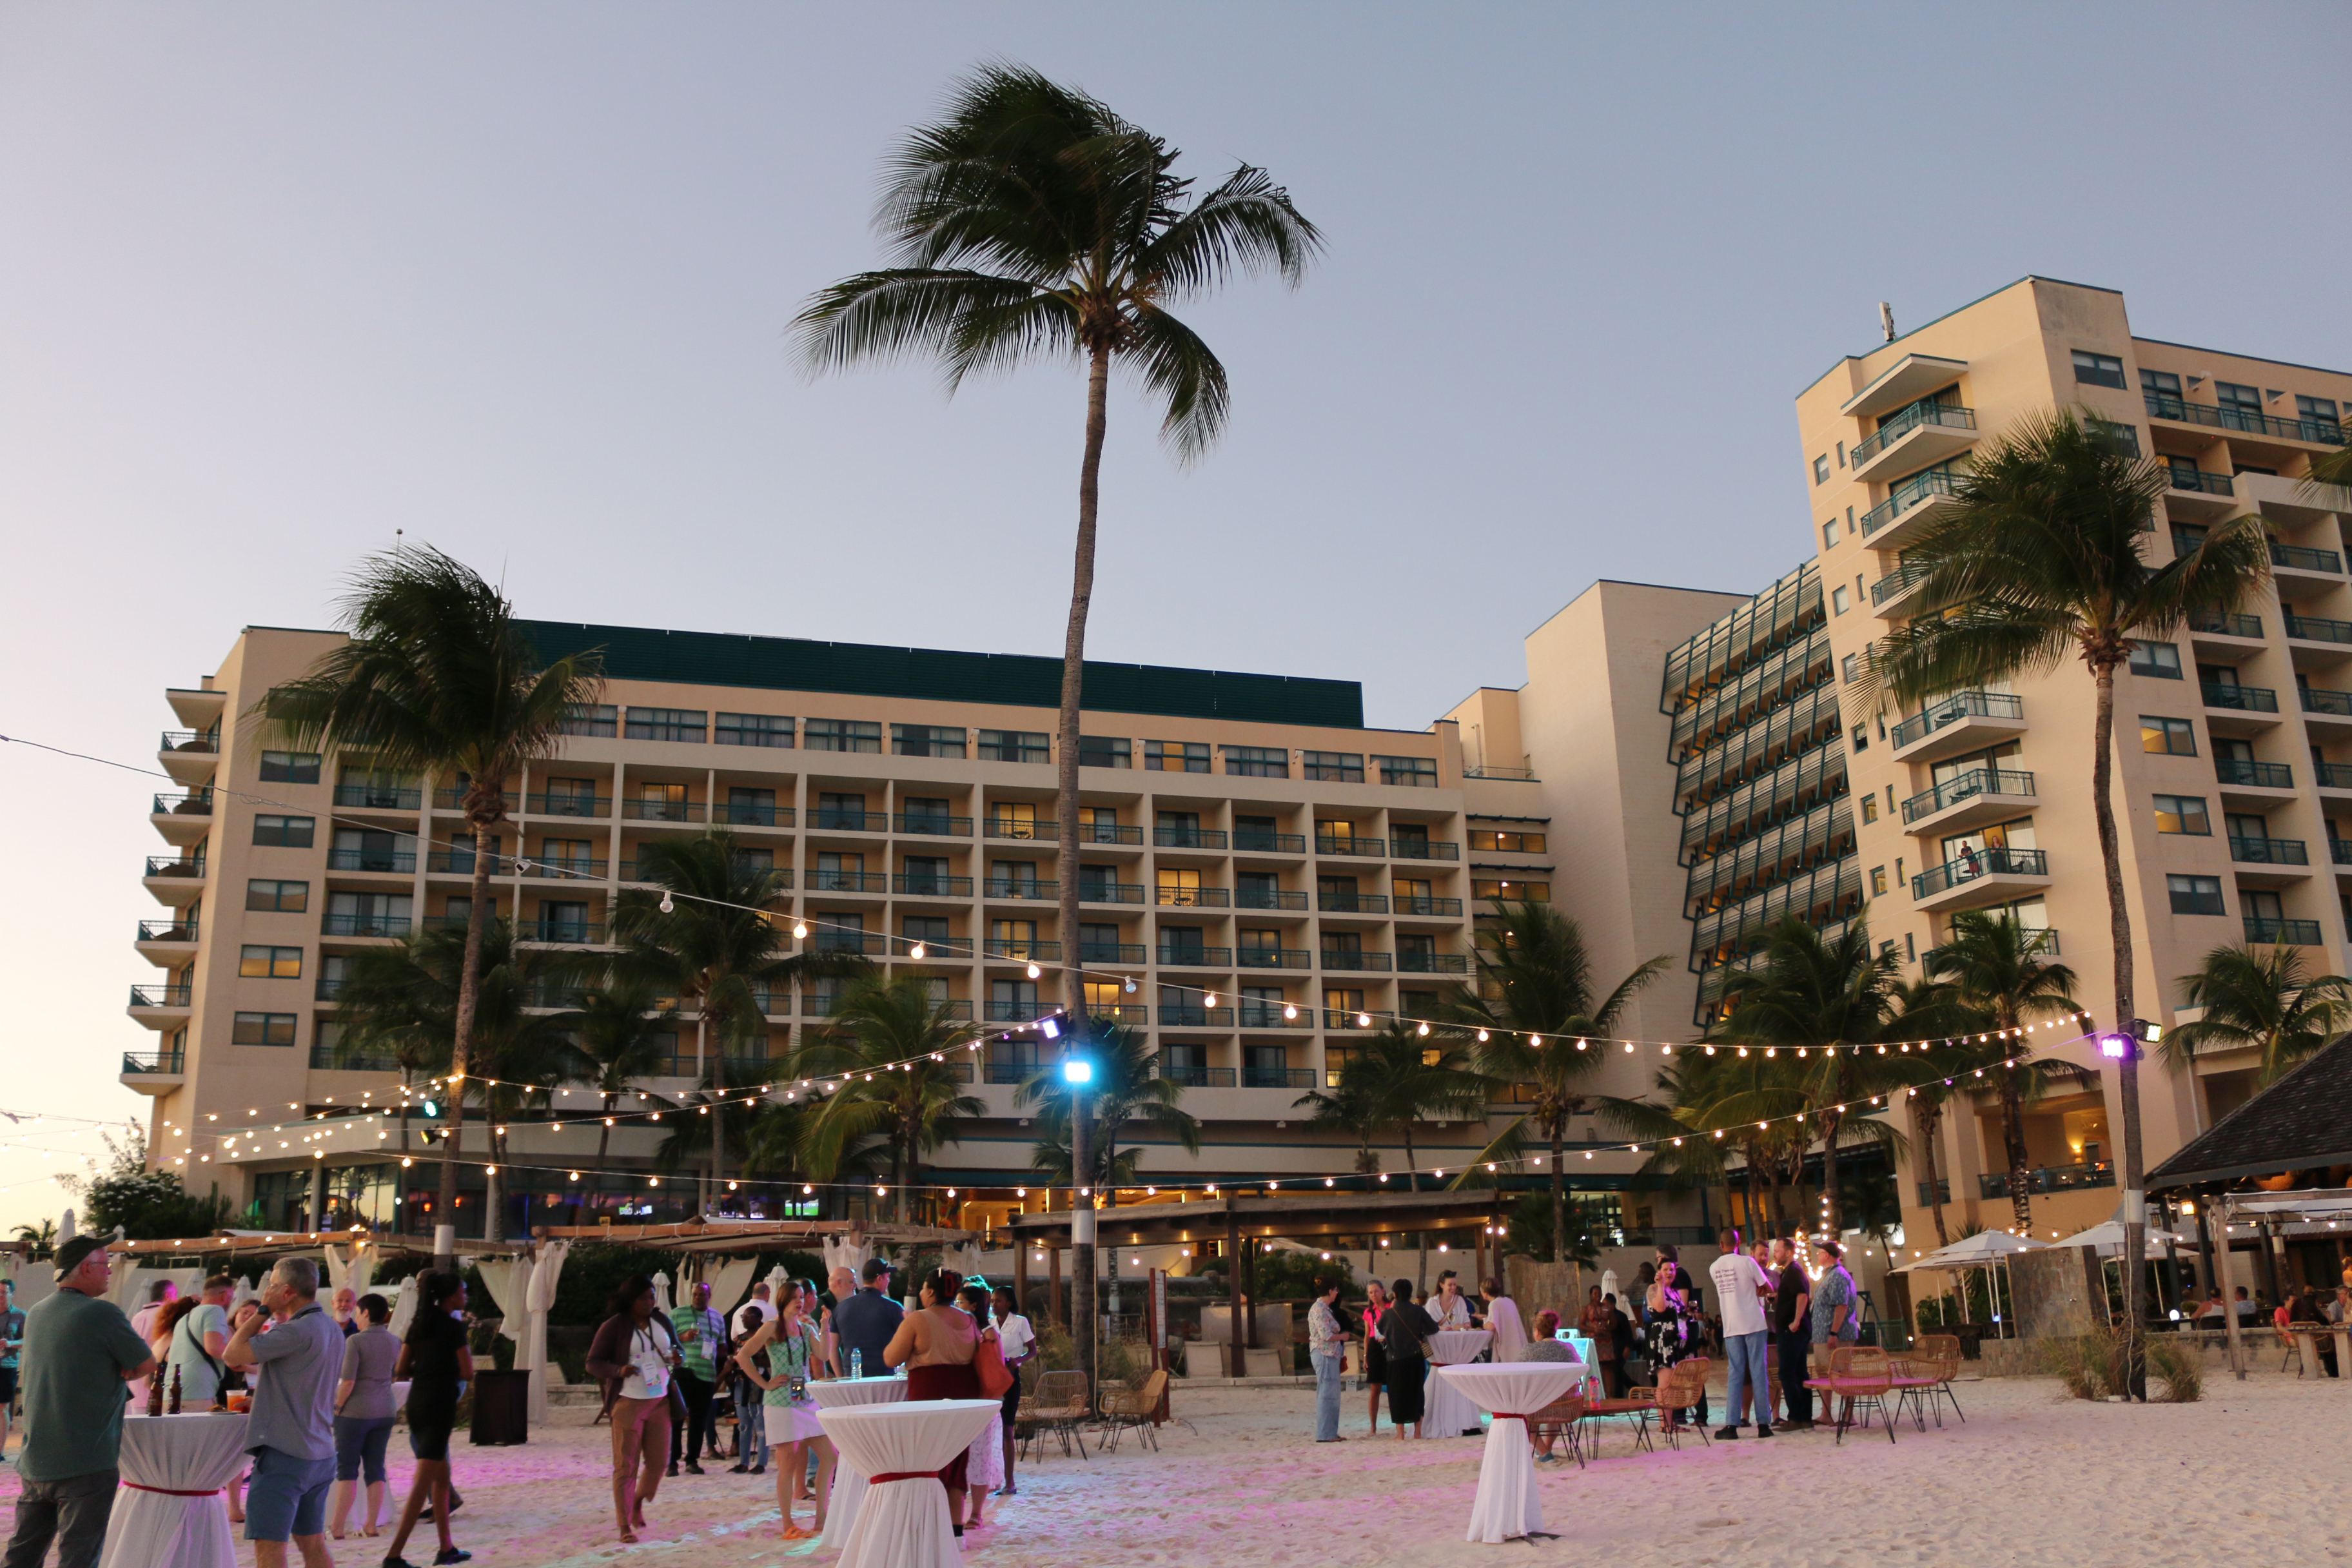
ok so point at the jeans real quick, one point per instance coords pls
(751, 1423)
(1796, 1365)
(1746, 1354)
(73, 1512)
(698, 1420)
(1327, 1397)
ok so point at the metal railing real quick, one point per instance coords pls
(2318, 700)
(1269, 898)
(1168, 897)
(1953, 710)
(2268, 851)
(823, 881)
(1262, 841)
(461, 863)
(1352, 903)
(751, 813)
(2216, 624)
(2284, 932)
(163, 1061)
(2302, 558)
(1012, 951)
(1008, 1072)
(1355, 961)
(870, 943)
(2339, 851)
(1192, 1077)
(569, 867)
(568, 805)
(2334, 775)
(1183, 1018)
(167, 931)
(194, 803)
(2244, 699)
(1278, 1077)
(840, 819)
(1423, 849)
(161, 995)
(1273, 958)
(1904, 497)
(2261, 776)
(934, 825)
(1040, 889)
(2162, 405)
(1196, 957)
(175, 865)
(379, 797)
(1406, 905)
(2050, 1179)
(1016, 1012)
(931, 885)
(1432, 963)
(190, 741)
(1094, 892)
(1936, 1191)
(1129, 1014)
(1110, 953)
(1334, 844)
(1894, 584)
(364, 925)
(455, 800)
(1276, 1016)
(1990, 861)
(353, 860)
(569, 933)
(663, 810)
(1188, 837)
(2317, 628)
(1966, 787)
(1918, 416)
(2198, 481)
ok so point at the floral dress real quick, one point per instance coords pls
(1674, 1333)
(791, 1420)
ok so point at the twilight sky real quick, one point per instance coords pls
(280, 278)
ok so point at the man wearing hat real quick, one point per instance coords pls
(79, 1351)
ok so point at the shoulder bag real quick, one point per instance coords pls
(996, 1379)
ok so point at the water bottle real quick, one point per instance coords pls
(856, 1363)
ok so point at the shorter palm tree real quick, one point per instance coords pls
(913, 1109)
(2259, 999)
(1350, 1106)
(623, 1034)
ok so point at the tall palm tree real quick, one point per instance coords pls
(1535, 978)
(622, 1035)
(2041, 558)
(1998, 971)
(436, 678)
(711, 933)
(1351, 1106)
(913, 1109)
(1409, 1077)
(2260, 999)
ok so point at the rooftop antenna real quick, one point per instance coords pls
(1886, 320)
(398, 531)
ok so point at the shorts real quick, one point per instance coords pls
(288, 1496)
(359, 1442)
(430, 1426)
(7, 1386)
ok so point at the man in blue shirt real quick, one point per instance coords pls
(865, 1321)
(79, 1351)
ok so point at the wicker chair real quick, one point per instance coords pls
(1560, 1421)
(1681, 1387)
(1134, 1410)
(1923, 1380)
(1860, 1379)
(1058, 1407)
(1639, 1403)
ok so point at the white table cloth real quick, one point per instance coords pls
(848, 1480)
(905, 1522)
(1444, 1413)
(195, 1453)
(1506, 1504)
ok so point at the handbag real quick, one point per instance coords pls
(996, 1379)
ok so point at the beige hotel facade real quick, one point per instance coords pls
(1678, 768)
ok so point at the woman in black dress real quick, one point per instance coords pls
(1405, 1330)
(436, 1359)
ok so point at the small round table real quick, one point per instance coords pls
(1506, 1504)
(169, 1509)
(848, 1481)
(904, 1522)
(1445, 1413)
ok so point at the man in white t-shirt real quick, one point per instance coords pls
(1741, 1289)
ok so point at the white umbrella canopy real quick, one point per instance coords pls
(2107, 1235)
(1974, 1251)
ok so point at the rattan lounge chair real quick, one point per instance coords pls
(1680, 1388)
(1125, 1409)
(1058, 1407)
(1860, 1379)
(1560, 1421)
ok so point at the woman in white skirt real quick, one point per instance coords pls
(789, 1411)
(984, 1460)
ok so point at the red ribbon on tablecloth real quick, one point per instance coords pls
(904, 1476)
(169, 1492)
(1511, 1415)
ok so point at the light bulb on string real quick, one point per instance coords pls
(1289, 1009)
(668, 904)
(916, 951)
(1034, 971)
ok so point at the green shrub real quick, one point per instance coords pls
(2091, 1366)
(2174, 1361)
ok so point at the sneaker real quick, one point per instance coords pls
(1763, 1431)
(1727, 1434)
(738, 1469)
(441, 1559)
(691, 1468)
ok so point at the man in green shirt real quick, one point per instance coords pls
(703, 1348)
(79, 1350)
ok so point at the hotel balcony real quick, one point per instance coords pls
(1423, 849)
(1408, 908)
(189, 755)
(1188, 838)
(1970, 800)
(1196, 957)
(1184, 898)
(2327, 714)
(1260, 841)
(2269, 862)
(1126, 953)
(694, 811)
(1024, 890)
(2260, 785)
(1352, 903)
(2245, 421)
(391, 862)
(562, 867)
(1272, 899)
(1909, 509)
(2314, 642)
(1991, 876)
(2283, 933)
(378, 798)
(182, 819)
(1991, 1185)
(2300, 571)
(346, 925)
(1091, 891)
(1896, 596)
(167, 942)
(161, 1006)
(1432, 963)
(1186, 1018)
(1333, 844)
(176, 879)
(1355, 961)
(932, 825)
(2233, 709)
(1254, 1076)
(1273, 958)
(2225, 638)
(590, 807)
(561, 934)
(1905, 382)
(153, 1072)
(2191, 491)
(1963, 722)
(1276, 1016)
(1920, 438)
(929, 885)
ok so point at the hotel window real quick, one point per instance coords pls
(1508, 843)
(1098, 824)
(1106, 752)
(1015, 746)
(1870, 808)
(289, 897)
(1841, 454)
(2182, 814)
(2170, 737)
(841, 735)
(2321, 411)
(1849, 667)
(1862, 737)
(290, 767)
(750, 806)
(290, 832)
(2159, 659)
(929, 740)
(1328, 767)
(2195, 895)
(1176, 756)
(1878, 881)
(685, 725)
(270, 964)
(1829, 533)
(1821, 469)
(2161, 383)
(2099, 369)
(753, 729)
(589, 718)
(2247, 400)
(262, 1029)
(1017, 820)
(1529, 892)
(1840, 601)
(1257, 762)
(1416, 773)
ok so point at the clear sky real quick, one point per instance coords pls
(280, 278)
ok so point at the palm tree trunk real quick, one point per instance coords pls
(717, 1163)
(603, 1142)
(1412, 1183)
(1065, 850)
(2012, 1138)
(485, 809)
(2103, 728)
(1928, 1119)
(1832, 1218)
(494, 1219)
(1558, 1191)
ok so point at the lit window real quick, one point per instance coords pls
(2182, 814)
(1870, 808)
(1176, 756)
(2170, 737)
(1878, 881)
(264, 894)
(270, 963)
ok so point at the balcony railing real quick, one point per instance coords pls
(461, 863)
(751, 813)
(167, 931)
(1270, 898)
(1188, 837)
(1354, 959)
(1127, 1015)
(1990, 861)
(840, 819)
(326, 1059)
(355, 859)
(1128, 952)
(194, 803)
(1352, 903)
(823, 881)
(872, 943)
(2334, 775)
(2162, 407)
(1094, 892)
(1331, 844)
(190, 741)
(1193, 1076)
(2197, 480)
(1966, 786)
(330, 986)
(1432, 963)
(1423, 849)
(2268, 851)
(569, 933)
(663, 810)
(2050, 1179)
(1276, 1016)
(2317, 700)
(568, 868)
(1000, 1012)
(1905, 496)
(1183, 1017)
(455, 800)
(160, 996)
(163, 1061)
(931, 885)
(932, 824)
(1014, 951)
(2315, 629)
(1008, 1072)
(2339, 850)
(1347, 1018)
(568, 805)
(2259, 776)
(1168, 897)
(364, 925)
(2284, 932)
(1936, 1191)
(1412, 906)
(379, 797)
(1188, 957)
(1273, 958)
(1953, 710)
(1896, 584)
(1919, 415)
(2244, 699)
(1278, 1077)
(2301, 558)
(175, 865)
(1262, 841)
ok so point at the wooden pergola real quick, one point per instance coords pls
(695, 1236)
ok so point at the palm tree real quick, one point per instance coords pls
(708, 932)
(2041, 558)
(2259, 999)
(1712, 1101)
(914, 1108)
(1352, 1105)
(1407, 1078)
(436, 678)
(623, 1034)
(1536, 986)
(1997, 970)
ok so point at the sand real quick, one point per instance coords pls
(2260, 1471)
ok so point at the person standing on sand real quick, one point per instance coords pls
(1742, 1286)
(794, 1355)
(1327, 1350)
(1376, 1354)
(1405, 1329)
(1792, 1328)
(634, 1355)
